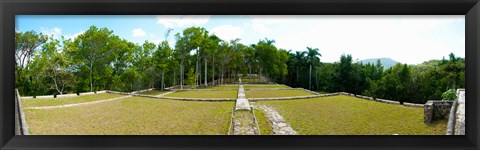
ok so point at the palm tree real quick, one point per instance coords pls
(312, 54)
(300, 60)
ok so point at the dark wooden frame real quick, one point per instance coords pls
(10, 8)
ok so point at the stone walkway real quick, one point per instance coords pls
(279, 126)
(77, 104)
(244, 123)
(460, 114)
(243, 118)
(242, 101)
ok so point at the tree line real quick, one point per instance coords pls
(100, 60)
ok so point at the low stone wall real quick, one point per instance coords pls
(62, 96)
(175, 98)
(135, 92)
(311, 92)
(387, 101)
(436, 110)
(412, 104)
(199, 99)
(285, 98)
(381, 100)
(273, 89)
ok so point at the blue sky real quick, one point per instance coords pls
(407, 39)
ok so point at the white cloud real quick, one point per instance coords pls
(227, 32)
(138, 32)
(261, 23)
(73, 36)
(411, 39)
(170, 21)
(55, 32)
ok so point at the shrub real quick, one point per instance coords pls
(449, 95)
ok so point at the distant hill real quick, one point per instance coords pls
(386, 62)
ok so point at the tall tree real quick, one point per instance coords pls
(313, 59)
(90, 50)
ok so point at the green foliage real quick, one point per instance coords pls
(191, 78)
(449, 95)
(99, 60)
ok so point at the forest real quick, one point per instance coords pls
(100, 60)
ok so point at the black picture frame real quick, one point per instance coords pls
(10, 8)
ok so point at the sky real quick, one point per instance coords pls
(406, 39)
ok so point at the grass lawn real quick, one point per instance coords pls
(321, 92)
(263, 122)
(264, 86)
(67, 100)
(344, 115)
(275, 93)
(252, 80)
(204, 94)
(133, 116)
(221, 87)
(153, 92)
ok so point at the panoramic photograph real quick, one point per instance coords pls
(239, 75)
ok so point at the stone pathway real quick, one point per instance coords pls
(460, 114)
(77, 104)
(243, 118)
(162, 95)
(279, 126)
(242, 101)
(244, 123)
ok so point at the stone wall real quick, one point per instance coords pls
(64, 95)
(436, 110)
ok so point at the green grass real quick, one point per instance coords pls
(322, 92)
(204, 94)
(133, 116)
(66, 100)
(153, 92)
(264, 86)
(343, 115)
(263, 122)
(275, 93)
(221, 87)
(252, 81)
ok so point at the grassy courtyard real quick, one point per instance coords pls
(133, 116)
(275, 93)
(36, 102)
(343, 115)
(204, 94)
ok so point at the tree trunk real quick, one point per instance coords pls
(310, 81)
(181, 75)
(196, 68)
(91, 77)
(206, 75)
(298, 75)
(174, 77)
(213, 71)
(163, 81)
